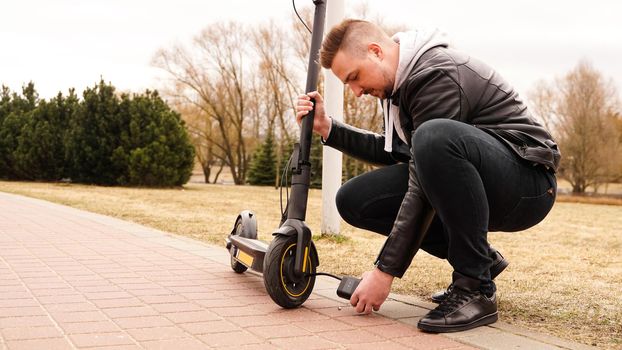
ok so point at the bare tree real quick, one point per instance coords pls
(279, 85)
(212, 76)
(202, 129)
(276, 87)
(234, 86)
(365, 113)
(583, 110)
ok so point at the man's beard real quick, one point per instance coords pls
(388, 87)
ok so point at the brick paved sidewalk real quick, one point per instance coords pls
(73, 279)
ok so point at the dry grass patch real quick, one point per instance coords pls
(594, 199)
(565, 275)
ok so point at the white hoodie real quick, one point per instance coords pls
(413, 44)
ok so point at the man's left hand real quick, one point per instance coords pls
(372, 291)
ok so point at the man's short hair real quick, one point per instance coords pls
(350, 35)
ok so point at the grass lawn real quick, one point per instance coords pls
(564, 278)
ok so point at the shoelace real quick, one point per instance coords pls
(454, 299)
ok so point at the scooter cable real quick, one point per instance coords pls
(300, 18)
(284, 176)
(323, 274)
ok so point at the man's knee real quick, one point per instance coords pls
(434, 133)
(431, 139)
(439, 138)
(343, 201)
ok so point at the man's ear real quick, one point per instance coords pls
(375, 49)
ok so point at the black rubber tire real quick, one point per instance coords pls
(277, 266)
(237, 266)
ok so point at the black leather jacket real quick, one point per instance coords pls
(445, 83)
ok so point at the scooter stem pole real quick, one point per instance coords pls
(302, 177)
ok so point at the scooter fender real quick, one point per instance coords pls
(249, 225)
(297, 227)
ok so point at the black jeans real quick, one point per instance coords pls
(474, 182)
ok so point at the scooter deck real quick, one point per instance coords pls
(250, 252)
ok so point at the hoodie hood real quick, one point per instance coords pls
(413, 44)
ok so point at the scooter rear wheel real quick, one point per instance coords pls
(287, 290)
(245, 226)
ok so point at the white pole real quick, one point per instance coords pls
(332, 159)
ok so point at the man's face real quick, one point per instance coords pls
(367, 75)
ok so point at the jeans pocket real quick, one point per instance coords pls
(528, 212)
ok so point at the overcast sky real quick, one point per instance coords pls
(71, 43)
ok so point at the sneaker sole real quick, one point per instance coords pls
(488, 319)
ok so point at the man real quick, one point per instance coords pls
(463, 156)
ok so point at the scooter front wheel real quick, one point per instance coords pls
(286, 289)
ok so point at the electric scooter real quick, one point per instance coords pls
(289, 261)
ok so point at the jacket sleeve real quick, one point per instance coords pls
(358, 143)
(428, 94)
(409, 229)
